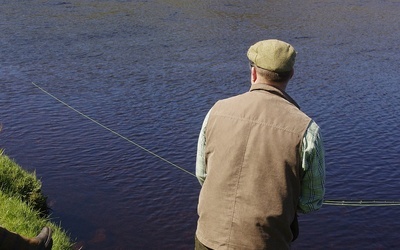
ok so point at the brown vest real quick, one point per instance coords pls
(251, 192)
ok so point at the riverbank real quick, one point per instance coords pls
(23, 207)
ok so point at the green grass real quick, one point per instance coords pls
(22, 204)
(15, 181)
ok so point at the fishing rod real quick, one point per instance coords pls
(362, 203)
(358, 203)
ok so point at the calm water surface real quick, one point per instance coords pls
(150, 70)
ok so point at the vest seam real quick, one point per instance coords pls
(237, 186)
(256, 122)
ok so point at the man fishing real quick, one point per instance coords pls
(260, 160)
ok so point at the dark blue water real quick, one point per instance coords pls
(150, 70)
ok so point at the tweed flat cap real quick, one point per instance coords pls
(273, 55)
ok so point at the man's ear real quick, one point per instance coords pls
(253, 74)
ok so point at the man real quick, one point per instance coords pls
(13, 241)
(260, 160)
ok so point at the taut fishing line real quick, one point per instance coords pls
(114, 132)
(362, 203)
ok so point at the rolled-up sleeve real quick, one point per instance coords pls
(313, 164)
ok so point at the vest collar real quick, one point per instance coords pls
(273, 90)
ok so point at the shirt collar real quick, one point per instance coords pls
(275, 91)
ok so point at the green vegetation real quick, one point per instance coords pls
(23, 207)
(14, 181)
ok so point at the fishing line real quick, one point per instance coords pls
(112, 131)
(359, 203)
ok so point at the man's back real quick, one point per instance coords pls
(253, 161)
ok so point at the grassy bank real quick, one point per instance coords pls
(23, 207)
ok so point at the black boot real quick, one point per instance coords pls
(13, 241)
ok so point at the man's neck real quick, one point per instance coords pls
(281, 85)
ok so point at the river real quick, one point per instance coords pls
(150, 70)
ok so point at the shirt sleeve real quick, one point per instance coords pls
(313, 164)
(201, 173)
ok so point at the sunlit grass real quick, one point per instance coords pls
(17, 182)
(22, 203)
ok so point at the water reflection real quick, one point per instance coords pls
(151, 69)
